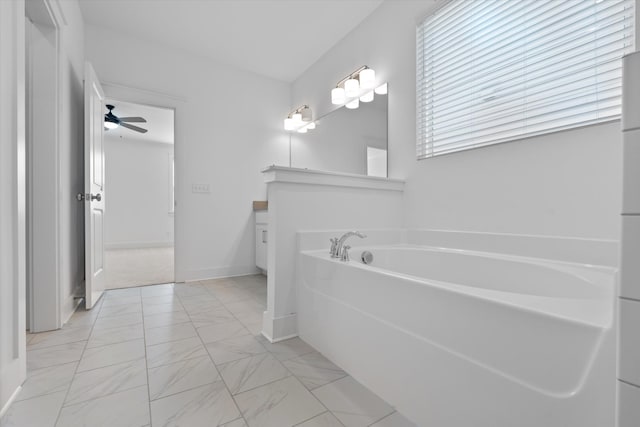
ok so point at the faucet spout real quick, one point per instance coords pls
(338, 249)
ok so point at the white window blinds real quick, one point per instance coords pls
(492, 71)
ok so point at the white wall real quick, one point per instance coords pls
(12, 200)
(137, 193)
(566, 183)
(228, 128)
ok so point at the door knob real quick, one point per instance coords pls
(88, 197)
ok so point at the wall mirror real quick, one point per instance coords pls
(346, 141)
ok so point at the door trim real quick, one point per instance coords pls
(161, 100)
(44, 303)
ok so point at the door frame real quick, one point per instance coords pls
(161, 100)
(13, 358)
(44, 300)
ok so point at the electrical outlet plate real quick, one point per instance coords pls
(200, 188)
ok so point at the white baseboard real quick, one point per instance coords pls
(137, 245)
(216, 273)
(71, 302)
(282, 328)
(6, 406)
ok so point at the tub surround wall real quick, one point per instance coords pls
(558, 248)
(581, 250)
(306, 200)
(629, 309)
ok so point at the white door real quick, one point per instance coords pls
(94, 110)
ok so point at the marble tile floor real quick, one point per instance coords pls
(186, 355)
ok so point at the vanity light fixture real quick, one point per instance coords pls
(351, 88)
(355, 87)
(381, 90)
(352, 105)
(338, 96)
(367, 97)
(367, 78)
(300, 119)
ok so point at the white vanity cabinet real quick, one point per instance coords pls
(262, 235)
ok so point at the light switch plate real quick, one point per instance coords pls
(200, 188)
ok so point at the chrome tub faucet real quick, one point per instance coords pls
(337, 245)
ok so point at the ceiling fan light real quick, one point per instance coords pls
(302, 130)
(338, 96)
(297, 118)
(311, 125)
(110, 125)
(352, 88)
(367, 78)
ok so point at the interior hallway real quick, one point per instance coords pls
(188, 355)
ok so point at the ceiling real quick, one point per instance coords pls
(276, 38)
(159, 122)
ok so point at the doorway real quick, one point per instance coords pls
(139, 195)
(43, 294)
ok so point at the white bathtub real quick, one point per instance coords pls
(459, 338)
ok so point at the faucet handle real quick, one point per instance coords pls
(345, 253)
(334, 246)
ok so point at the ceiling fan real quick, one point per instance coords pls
(111, 121)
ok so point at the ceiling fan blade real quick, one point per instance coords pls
(133, 119)
(132, 127)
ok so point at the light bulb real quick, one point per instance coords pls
(302, 130)
(110, 125)
(353, 104)
(382, 89)
(311, 125)
(288, 124)
(352, 88)
(367, 78)
(367, 97)
(337, 96)
(297, 118)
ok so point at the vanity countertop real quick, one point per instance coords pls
(260, 205)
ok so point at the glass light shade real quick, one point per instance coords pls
(367, 78)
(306, 114)
(302, 130)
(367, 97)
(382, 89)
(297, 118)
(337, 96)
(288, 124)
(353, 104)
(110, 125)
(352, 88)
(311, 125)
